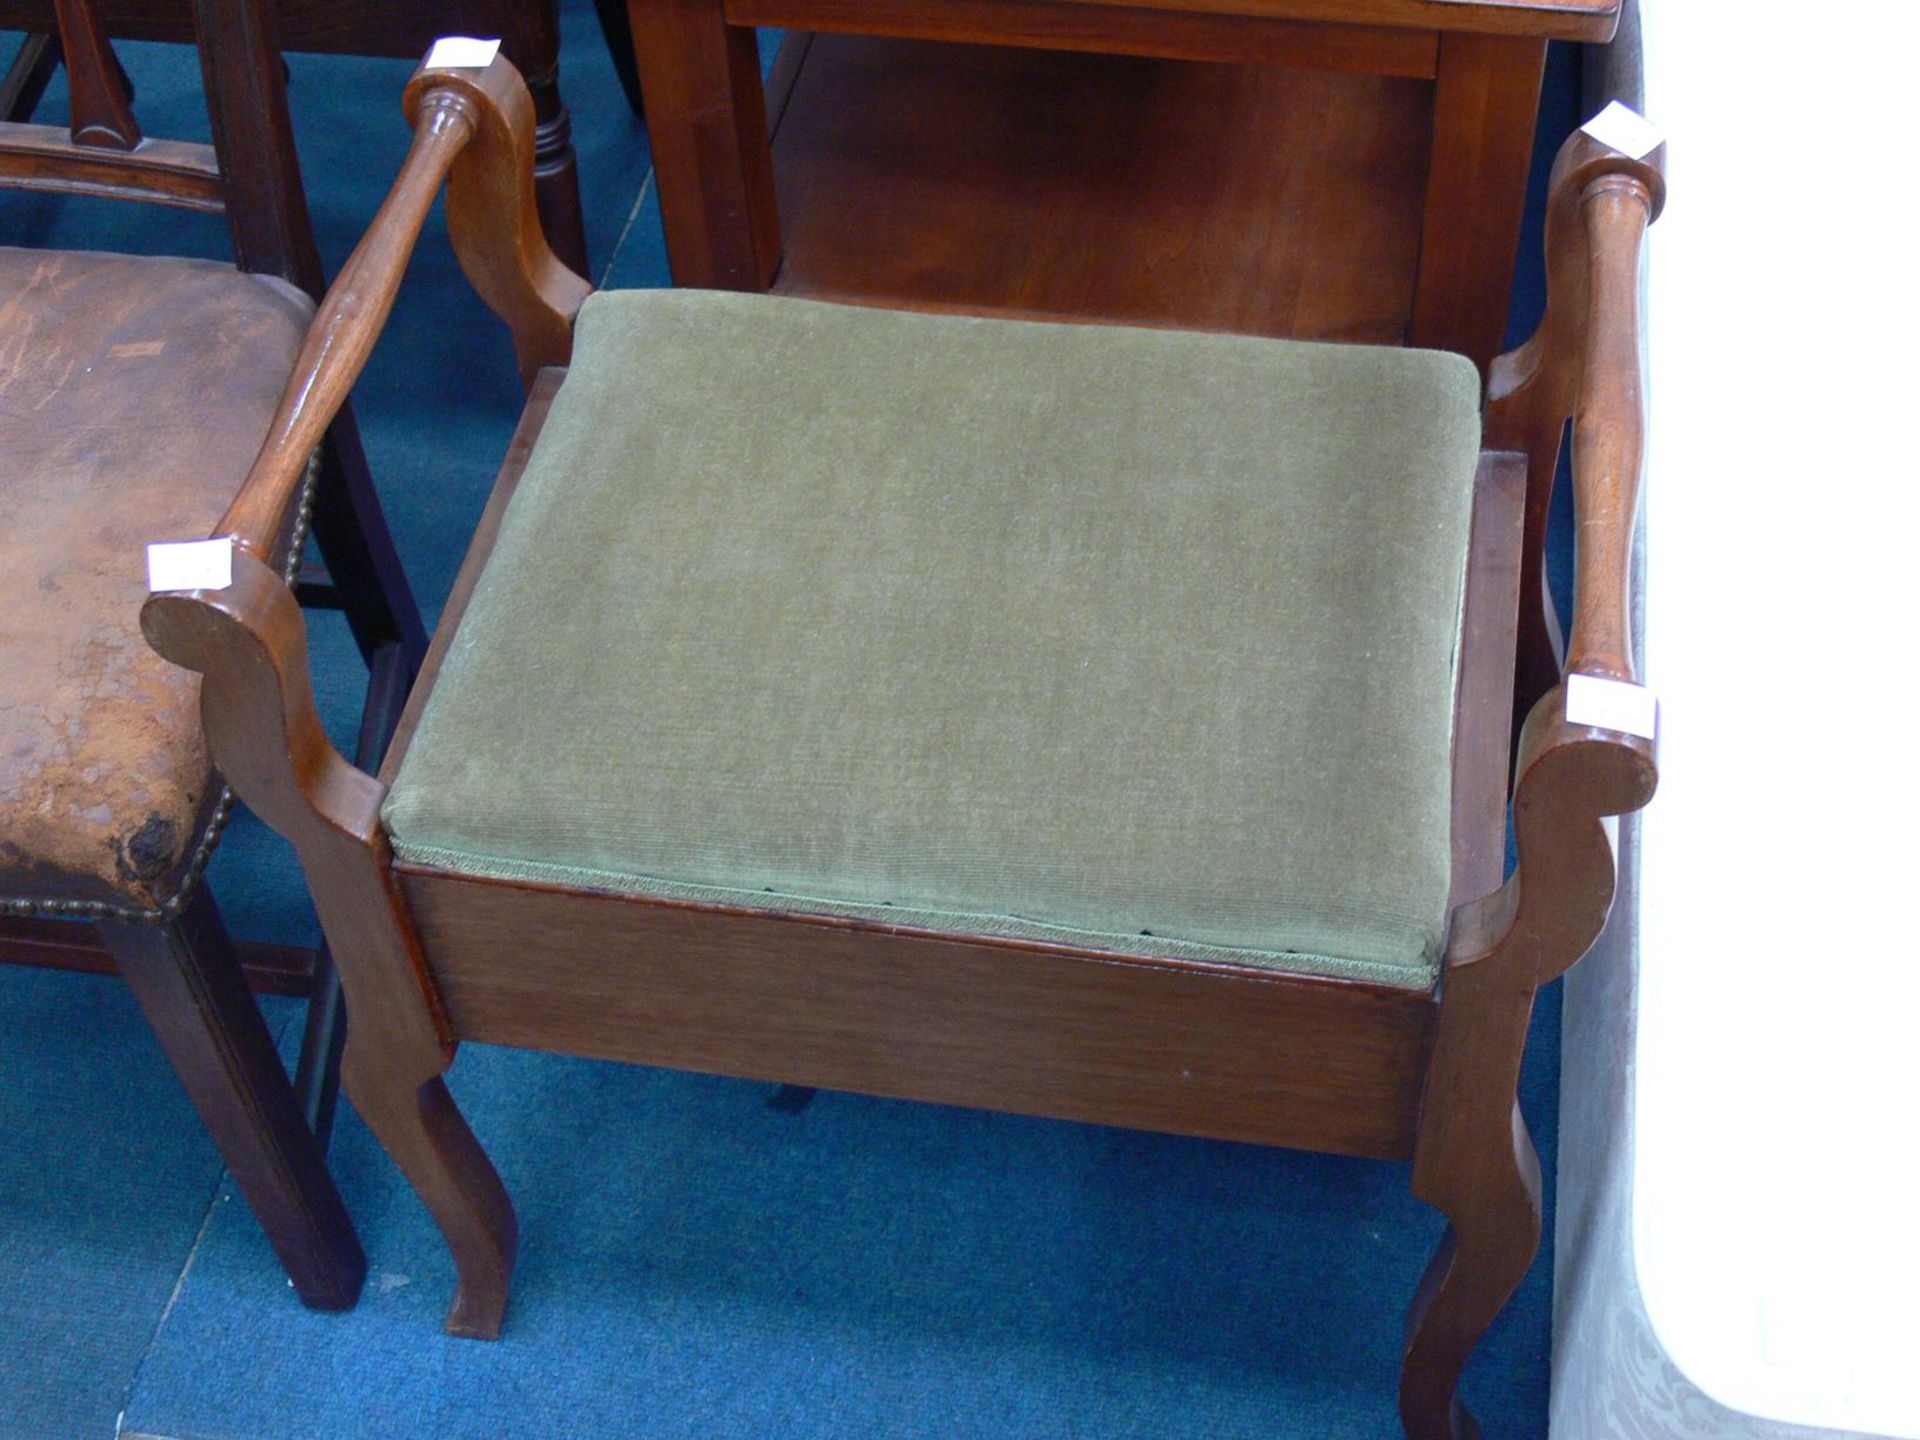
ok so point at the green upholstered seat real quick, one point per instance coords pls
(1130, 639)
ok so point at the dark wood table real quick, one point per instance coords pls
(529, 31)
(1355, 170)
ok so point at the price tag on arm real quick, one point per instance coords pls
(461, 52)
(1612, 705)
(190, 565)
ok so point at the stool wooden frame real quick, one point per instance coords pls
(432, 957)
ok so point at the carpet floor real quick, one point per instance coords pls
(700, 1256)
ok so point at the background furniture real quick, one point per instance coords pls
(1355, 170)
(138, 390)
(903, 1004)
(529, 34)
(1737, 1259)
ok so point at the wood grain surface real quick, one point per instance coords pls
(1047, 183)
(1198, 1049)
(1117, 30)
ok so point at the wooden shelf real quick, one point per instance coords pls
(1248, 198)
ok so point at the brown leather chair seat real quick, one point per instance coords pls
(130, 417)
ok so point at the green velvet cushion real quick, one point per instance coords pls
(1131, 639)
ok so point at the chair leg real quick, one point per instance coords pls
(352, 531)
(1493, 1232)
(316, 1076)
(28, 76)
(428, 1138)
(619, 34)
(186, 977)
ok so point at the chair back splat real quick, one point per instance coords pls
(250, 173)
(102, 102)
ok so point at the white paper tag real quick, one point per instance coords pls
(1621, 127)
(1611, 705)
(190, 565)
(461, 52)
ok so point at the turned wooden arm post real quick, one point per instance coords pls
(1609, 429)
(1534, 390)
(1473, 1158)
(473, 128)
(1570, 776)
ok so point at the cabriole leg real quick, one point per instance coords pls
(248, 642)
(1475, 1162)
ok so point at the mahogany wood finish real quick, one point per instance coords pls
(102, 109)
(61, 945)
(249, 643)
(471, 129)
(430, 956)
(476, 125)
(1546, 19)
(1043, 183)
(494, 220)
(167, 172)
(189, 986)
(706, 125)
(1175, 34)
(1481, 726)
(914, 139)
(1230, 1052)
(1485, 98)
(1534, 390)
(1474, 1159)
(183, 967)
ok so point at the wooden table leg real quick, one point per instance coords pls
(187, 980)
(707, 123)
(556, 173)
(1486, 96)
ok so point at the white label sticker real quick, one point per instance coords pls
(1620, 127)
(1611, 705)
(461, 52)
(190, 565)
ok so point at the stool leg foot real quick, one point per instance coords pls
(425, 1133)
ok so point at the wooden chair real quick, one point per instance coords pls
(137, 392)
(1075, 720)
(529, 31)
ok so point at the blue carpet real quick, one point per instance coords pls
(700, 1258)
(699, 1263)
(105, 1179)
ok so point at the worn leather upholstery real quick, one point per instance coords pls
(133, 395)
(1124, 638)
